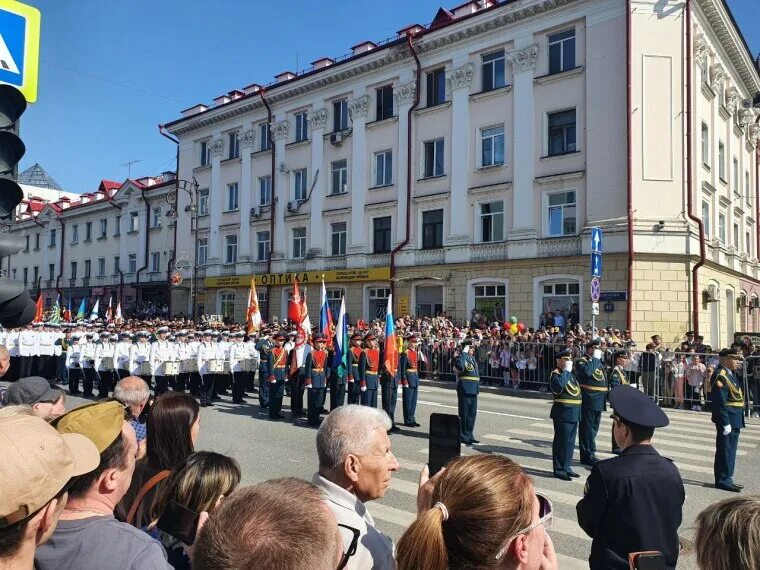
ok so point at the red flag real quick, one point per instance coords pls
(252, 314)
(38, 314)
(294, 306)
(362, 325)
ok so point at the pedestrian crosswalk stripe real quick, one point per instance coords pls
(569, 563)
(385, 513)
(504, 414)
(689, 434)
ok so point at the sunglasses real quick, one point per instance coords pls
(350, 536)
(545, 517)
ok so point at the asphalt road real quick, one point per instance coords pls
(518, 427)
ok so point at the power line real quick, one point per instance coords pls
(111, 82)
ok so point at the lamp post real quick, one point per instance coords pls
(188, 260)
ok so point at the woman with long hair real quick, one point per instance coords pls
(484, 513)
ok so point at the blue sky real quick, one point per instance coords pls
(111, 71)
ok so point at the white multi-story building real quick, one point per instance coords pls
(116, 242)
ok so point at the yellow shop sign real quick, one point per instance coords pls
(304, 277)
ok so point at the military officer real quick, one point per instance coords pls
(238, 353)
(727, 401)
(161, 351)
(27, 351)
(278, 375)
(183, 354)
(468, 386)
(264, 346)
(618, 377)
(193, 344)
(253, 364)
(224, 380)
(139, 357)
(565, 413)
(353, 386)
(104, 364)
(410, 381)
(317, 370)
(633, 502)
(87, 361)
(297, 373)
(389, 384)
(121, 354)
(590, 372)
(207, 351)
(73, 364)
(338, 382)
(369, 372)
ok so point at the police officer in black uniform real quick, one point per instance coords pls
(618, 377)
(589, 370)
(633, 502)
(728, 417)
(566, 411)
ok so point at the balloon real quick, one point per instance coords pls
(513, 329)
(513, 320)
(506, 326)
(520, 327)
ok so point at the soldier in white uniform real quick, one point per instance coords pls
(121, 355)
(27, 351)
(238, 354)
(193, 342)
(161, 351)
(183, 353)
(223, 381)
(11, 343)
(46, 338)
(253, 354)
(104, 364)
(207, 350)
(139, 354)
(87, 362)
(73, 355)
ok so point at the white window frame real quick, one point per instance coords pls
(342, 238)
(340, 122)
(155, 217)
(735, 181)
(203, 198)
(103, 227)
(384, 168)
(747, 188)
(101, 267)
(233, 141)
(227, 303)
(132, 263)
(204, 153)
(265, 190)
(298, 243)
(265, 137)
(202, 252)
(489, 65)
(342, 172)
(439, 147)
(491, 134)
(706, 219)
(300, 188)
(547, 207)
(87, 234)
(301, 126)
(492, 215)
(334, 296)
(547, 134)
(721, 161)
(722, 222)
(232, 197)
(705, 144)
(230, 248)
(134, 221)
(155, 261)
(262, 255)
(562, 43)
(736, 236)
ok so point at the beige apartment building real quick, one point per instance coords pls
(461, 165)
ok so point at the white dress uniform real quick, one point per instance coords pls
(161, 351)
(27, 351)
(207, 351)
(104, 363)
(73, 357)
(138, 353)
(121, 354)
(87, 361)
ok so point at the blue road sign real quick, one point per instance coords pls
(596, 265)
(19, 46)
(596, 240)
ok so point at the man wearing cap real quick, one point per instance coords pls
(278, 374)
(35, 391)
(727, 406)
(104, 364)
(139, 357)
(565, 413)
(88, 535)
(317, 370)
(410, 381)
(264, 346)
(37, 465)
(27, 351)
(87, 362)
(632, 502)
(618, 377)
(73, 363)
(389, 384)
(590, 371)
(161, 351)
(121, 354)
(238, 356)
(354, 373)
(468, 386)
(207, 351)
(369, 372)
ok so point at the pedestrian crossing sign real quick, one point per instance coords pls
(19, 47)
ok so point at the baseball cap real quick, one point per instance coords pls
(31, 390)
(100, 422)
(37, 463)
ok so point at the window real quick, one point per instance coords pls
(203, 202)
(334, 297)
(384, 102)
(227, 307)
(116, 264)
(103, 227)
(562, 132)
(155, 261)
(706, 217)
(340, 115)
(26, 247)
(118, 227)
(231, 201)
(736, 242)
(338, 238)
(132, 263)
(36, 273)
(561, 214)
(748, 240)
(735, 182)
(51, 271)
(265, 190)
(74, 235)
(562, 51)
(26, 275)
(101, 267)
(339, 177)
(433, 159)
(234, 145)
(265, 136)
(436, 87)
(205, 158)
(299, 184)
(155, 217)
(51, 243)
(299, 243)
(705, 145)
(492, 222)
(559, 296)
(87, 231)
(721, 161)
(384, 168)
(37, 241)
(230, 249)
(722, 227)
(432, 229)
(13, 273)
(134, 221)
(490, 300)
(202, 253)
(87, 268)
(302, 127)
(378, 302)
(381, 231)
(493, 70)
(747, 190)
(262, 246)
(492, 146)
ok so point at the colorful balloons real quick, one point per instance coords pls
(513, 320)
(513, 329)
(520, 327)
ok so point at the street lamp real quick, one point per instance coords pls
(189, 261)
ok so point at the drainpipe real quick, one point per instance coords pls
(121, 275)
(147, 239)
(757, 195)
(59, 277)
(629, 150)
(689, 181)
(176, 221)
(273, 201)
(409, 167)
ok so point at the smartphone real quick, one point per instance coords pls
(179, 522)
(650, 560)
(444, 441)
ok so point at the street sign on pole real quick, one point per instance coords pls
(596, 240)
(596, 274)
(596, 265)
(19, 47)
(595, 289)
(594, 309)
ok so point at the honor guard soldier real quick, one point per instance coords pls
(104, 364)
(264, 346)
(184, 355)
(389, 383)
(618, 377)
(193, 344)
(223, 380)
(338, 382)
(62, 347)
(139, 357)
(589, 369)
(353, 386)
(161, 351)
(238, 356)
(121, 355)
(565, 413)
(27, 351)
(297, 373)
(632, 502)
(73, 355)
(87, 361)
(410, 381)
(207, 351)
(468, 386)
(46, 338)
(253, 356)
(317, 365)
(369, 372)
(278, 374)
(727, 401)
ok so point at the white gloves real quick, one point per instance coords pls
(597, 354)
(568, 366)
(308, 386)
(363, 388)
(726, 430)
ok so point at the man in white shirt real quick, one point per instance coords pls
(73, 364)
(207, 351)
(104, 364)
(27, 351)
(87, 362)
(139, 357)
(354, 471)
(121, 354)
(161, 351)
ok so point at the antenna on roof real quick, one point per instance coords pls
(129, 164)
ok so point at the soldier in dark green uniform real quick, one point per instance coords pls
(728, 417)
(566, 411)
(589, 370)
(468, 385)
(618, 378)
(264, 346)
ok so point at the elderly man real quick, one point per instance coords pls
(134, 393)
(31, 505)
(88, 535)
(5, 361)
(355, 466)
(35, 391)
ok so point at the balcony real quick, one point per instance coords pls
(496, 251)
(49, 283)
(559, 247)
(429, 256)
(72, 282)
(295, 266)
(338, 262)
(379, 260)
(227, 269)
(85, 282)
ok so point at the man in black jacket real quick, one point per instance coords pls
(633, 502)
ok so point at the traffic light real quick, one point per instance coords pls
(16, 307)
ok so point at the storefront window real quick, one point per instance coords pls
(227, 308)
(378, 302)
(490, 301)
(562, 296)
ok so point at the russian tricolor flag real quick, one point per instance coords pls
(341, 340)
(325, 317)
(391, 348)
